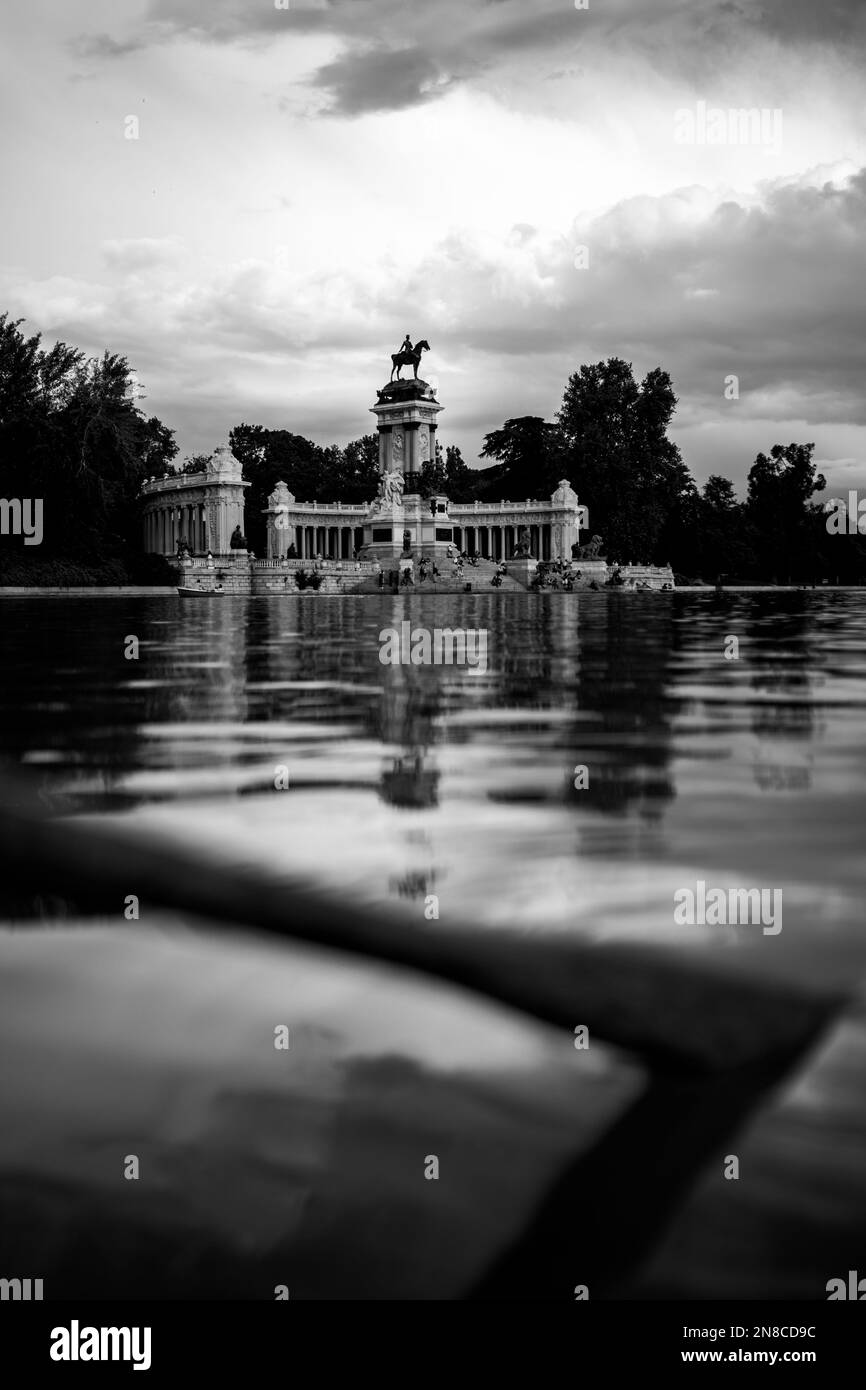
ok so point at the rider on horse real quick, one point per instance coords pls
(408, 356)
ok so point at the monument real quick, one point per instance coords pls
(406, 416)
(400, 524)
(202, 509)
(350, 544)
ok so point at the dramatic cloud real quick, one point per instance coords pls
(300, 187)
(394, 55)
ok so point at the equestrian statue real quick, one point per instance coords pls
(408, 356)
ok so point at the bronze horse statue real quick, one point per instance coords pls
(405, 359)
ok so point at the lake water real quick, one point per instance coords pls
(406, 782)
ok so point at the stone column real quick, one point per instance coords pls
(412, 462)
(384, 448)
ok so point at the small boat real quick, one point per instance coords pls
(187, 591)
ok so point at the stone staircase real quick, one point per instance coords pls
(480, 576)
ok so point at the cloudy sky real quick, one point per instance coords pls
(310, 183)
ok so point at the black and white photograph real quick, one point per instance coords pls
(433, 669)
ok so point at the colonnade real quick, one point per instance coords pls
(331, 542)
(492, 542)
(165, 525)
(500, 542)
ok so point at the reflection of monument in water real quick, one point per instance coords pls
(410, 705)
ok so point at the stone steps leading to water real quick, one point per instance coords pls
(480, 576)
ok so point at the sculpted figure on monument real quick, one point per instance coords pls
(237, 540)
(523, 549)
(280, 497)
(590, 551)
(408, 356)
(223, 464)
(392, 488)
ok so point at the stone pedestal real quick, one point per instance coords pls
(590, 570)
(383, 531)
(522, 568)
(406, 414)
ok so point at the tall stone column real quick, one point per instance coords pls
(412, 464)
(384, 448)
(406, 409)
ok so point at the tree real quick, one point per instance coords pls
(356, 478)
(618, 457)
(72, 435)
(723, 532)
(195, 463)
(433, 478)
(531, 453)
(459, 478)
(268, 456)
(719, 496)
(780, 487)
